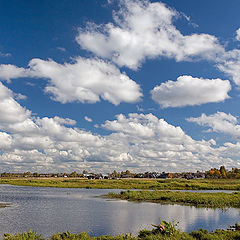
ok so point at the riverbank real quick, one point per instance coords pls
(209, 200)
(163, 231)
(153, 184)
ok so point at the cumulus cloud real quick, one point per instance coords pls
(66, 121)
(141, 30)
(153, 142)
(238, 35)
(229, 63)
(11, 113)
(136, 141)
(219, 122)
(85, 80)
(189, 91)
(25, 139)
(5, 140)
(8, 72)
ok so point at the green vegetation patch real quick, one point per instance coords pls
(210, 200)
(154, 184)
(163, 231)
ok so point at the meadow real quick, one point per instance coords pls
(153, 184)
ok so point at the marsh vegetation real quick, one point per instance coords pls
(199, 199)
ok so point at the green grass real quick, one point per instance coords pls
(163, 231)
(210, 200)
(155, 184)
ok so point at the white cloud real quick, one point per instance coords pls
(9, 71)
(219, 122)
(145, 30)
(27, 141)
(88, 119)
(136, 125)
(189, 91)
(5, 54)
(229, 63)
(137, 141)
(20, 96)
(238, 35)
(62, 49)
(66, 121)
(153, 143)
(85, 80)
(5, 140)
(11, 112)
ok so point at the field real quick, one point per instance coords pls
(209, 200)
(153, 184)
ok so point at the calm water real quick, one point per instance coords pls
(51, 210)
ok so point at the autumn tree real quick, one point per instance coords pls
(223, 172)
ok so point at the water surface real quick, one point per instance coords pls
(51, 210)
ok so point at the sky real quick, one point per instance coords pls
(103, 85)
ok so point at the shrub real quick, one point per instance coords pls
(23, 236)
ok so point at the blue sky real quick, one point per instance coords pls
(109, 85)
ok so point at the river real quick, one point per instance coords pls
(51, 210)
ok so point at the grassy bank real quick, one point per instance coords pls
(211, 200)
(3, 205)
(163, 231)
(155, 184)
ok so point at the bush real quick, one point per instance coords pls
(23, 236)
(165, 228)
(70, 236)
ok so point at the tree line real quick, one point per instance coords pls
(216, 173)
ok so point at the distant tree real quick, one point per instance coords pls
(223, 172)
(170, 175)
(35, 174)
(73, 174)
(115, 174)
(27, 174)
